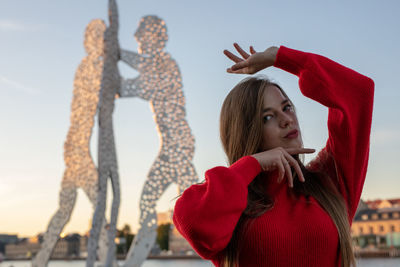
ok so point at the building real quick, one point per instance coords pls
(24, 249)
(164, 217)
(7, 239)
(378, 224)
(83, 245)
(60, 250)
(4, 238)
(176, 243)
(385, 203)
(67, 247)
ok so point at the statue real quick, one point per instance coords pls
(97, 84)
(107, 159)
(160, 83)
(80, 171)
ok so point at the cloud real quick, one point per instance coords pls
(20, 87)
(385, 136)
(16, 26)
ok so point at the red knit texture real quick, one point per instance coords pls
(294, 232)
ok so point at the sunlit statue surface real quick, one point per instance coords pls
(80, 170)
(160, 83)
(107, 159)
(97, 83)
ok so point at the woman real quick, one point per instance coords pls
(244, 215)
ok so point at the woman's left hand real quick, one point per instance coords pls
(250, 64)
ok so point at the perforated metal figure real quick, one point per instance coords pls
(160, 83)
(107, 160)
(80, 171)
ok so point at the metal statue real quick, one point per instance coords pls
(80, 171)
(107, 159)
(160, 83)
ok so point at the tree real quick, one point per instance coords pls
(125, 233)
(163, 235)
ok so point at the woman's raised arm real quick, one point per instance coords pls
(349, 97)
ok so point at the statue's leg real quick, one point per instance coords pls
(153, 188)
(90, 187)
(67, 200)
(98, 215)
(112, 232)
(186, 175)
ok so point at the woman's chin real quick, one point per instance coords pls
(293, 143)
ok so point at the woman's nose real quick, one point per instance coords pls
(285, 120)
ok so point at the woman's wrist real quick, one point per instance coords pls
(270, 55)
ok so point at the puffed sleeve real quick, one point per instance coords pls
(206, 214)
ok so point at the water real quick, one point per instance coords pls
(148, 263)
(377, 262)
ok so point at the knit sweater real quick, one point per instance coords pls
(294, 232)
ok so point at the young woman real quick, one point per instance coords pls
(244, 215)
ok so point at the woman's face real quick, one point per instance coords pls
(279, 120)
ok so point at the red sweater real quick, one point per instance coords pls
(294, 232)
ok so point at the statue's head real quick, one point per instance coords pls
(94, 37)
(151, 35)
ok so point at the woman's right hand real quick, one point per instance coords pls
(280, 159)
(250, 64)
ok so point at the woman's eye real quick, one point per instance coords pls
(288, 107)
(267, 118)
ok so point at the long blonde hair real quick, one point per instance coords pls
(241, 135)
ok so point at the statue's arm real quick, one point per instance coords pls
(130, 87)
(137, 87)
(131, 58)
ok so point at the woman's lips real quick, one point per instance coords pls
(292, 134)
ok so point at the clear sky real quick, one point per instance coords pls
(42, 45)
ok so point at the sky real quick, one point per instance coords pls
(42, 45)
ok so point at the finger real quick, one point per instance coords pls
(281, 171)
(232, 56)
(295, 176)
(299, 172)
(240, 71)
(288, 171)
(240, 65)
(300, 150)
(252, 50)
(241, 51)
(295, 165)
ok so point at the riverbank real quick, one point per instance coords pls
(360, 254)
(119, 257)
(378, 253)
(371, 262)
